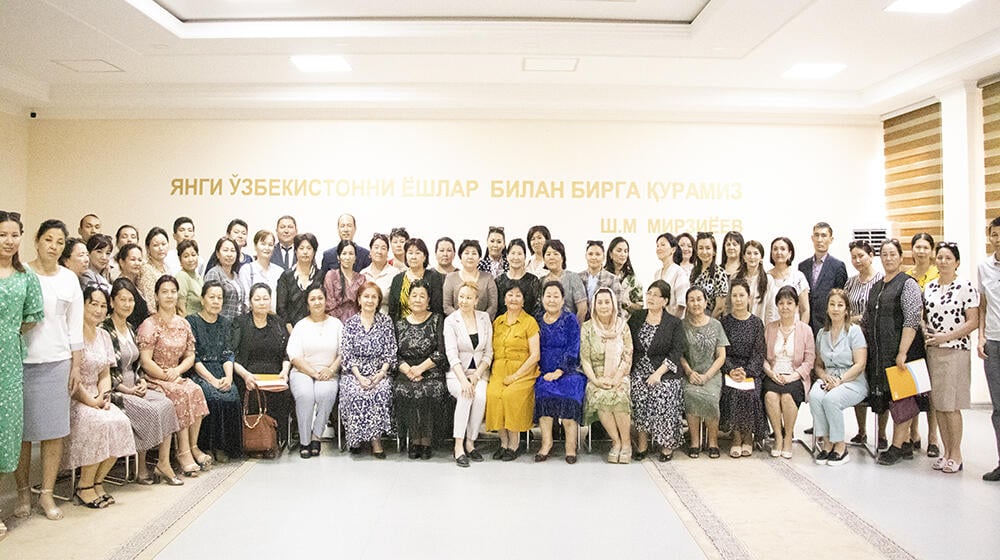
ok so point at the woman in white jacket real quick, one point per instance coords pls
(468, 339)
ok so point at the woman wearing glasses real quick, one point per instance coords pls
(495, 261)
(469, 253)
(595, 277)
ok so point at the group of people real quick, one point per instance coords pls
(126, 347)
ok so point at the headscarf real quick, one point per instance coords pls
(611, 336)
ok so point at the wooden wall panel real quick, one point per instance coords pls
(914, 192)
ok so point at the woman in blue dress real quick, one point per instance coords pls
(560, 388)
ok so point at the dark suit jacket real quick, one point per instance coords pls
(276, 257)
(669, 341)
(832, 275)
(331, 261)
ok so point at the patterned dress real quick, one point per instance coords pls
(152, 415)
(560, 349)
(222, 428)
(656, 409)
(715, 282)
(742, 409)
(592, 351)
(367, 414)
(418, 403)
(631, 293)
(96, 433)
(169, 342)
(20, 302)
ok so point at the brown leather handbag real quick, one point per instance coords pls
(260, 431)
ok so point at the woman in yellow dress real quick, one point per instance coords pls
(510, 395)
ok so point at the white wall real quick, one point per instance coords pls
(780, 179)
(13, 162)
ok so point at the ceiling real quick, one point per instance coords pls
(626, 59)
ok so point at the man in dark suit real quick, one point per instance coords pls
(823, 272)
(346, 227)
(284, 252)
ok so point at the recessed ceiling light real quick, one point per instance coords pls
(320, 63)
(89, 66)
(926, 6)
(812, 71)
(549, 64)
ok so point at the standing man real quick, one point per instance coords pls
(183, 230)
(346, 228)
(89, 225)
(284, 253)
(823, 272)
(989, 330)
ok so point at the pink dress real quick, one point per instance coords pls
(96, 434)
(170, 342)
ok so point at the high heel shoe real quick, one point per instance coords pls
(190, 469)
(96, 503)
(53, 513)
(171, 480)
(203, 459)
(23, 509)
(614, 455)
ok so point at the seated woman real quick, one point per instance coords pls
(222, 432)
(99, 432)
(559, 390)
(369, 353)
(841, 352)
(658, 343)
(227, 273)
(469, 253)
(341, 284)
(791, 352)
(314, 351)
(260, 341)
(606, 358)
(416, 269)
(153, 418)
(702, 363)
(419, 387)
(742, 404)
(295, 282)
(166, 351)
(468, 342)
(190, 282)
(510, 394)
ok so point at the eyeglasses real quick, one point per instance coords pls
(496, 229)
(597, 242)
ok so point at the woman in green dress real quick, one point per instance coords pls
(20, 309)
(702, 363)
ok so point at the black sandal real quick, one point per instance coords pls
(96, 503)
(694, 452)
(666, 457)
(714, 453)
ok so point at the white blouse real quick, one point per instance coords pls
(316, 343)
(55, 337)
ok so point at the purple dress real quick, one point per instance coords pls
(560, 346)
